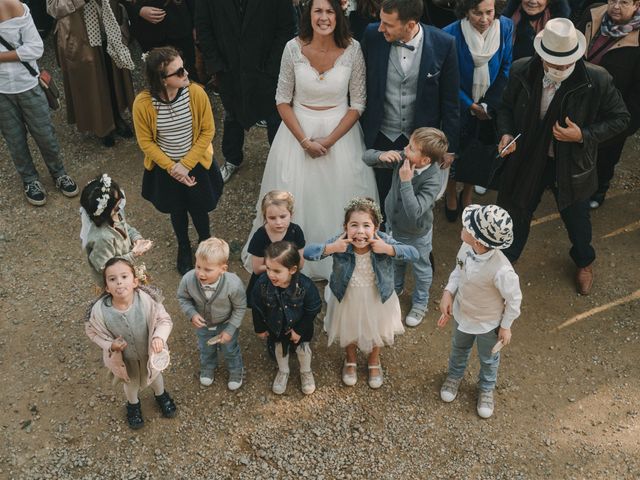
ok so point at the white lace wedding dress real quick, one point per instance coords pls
(321, 186)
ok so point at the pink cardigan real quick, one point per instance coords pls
(159, 324)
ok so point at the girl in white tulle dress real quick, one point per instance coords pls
(317, 152)
(363, 310)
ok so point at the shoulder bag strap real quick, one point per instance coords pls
(10, 47)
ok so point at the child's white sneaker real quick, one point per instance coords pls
(235, 381)
(207, 380)
(280, 382)
(485, 404)
(449, 389)
(307, 382)
(414, 318)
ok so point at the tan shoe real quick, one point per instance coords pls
(584, 280)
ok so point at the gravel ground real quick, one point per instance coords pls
(566, 402)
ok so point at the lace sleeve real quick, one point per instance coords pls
(357, 82)
(286, 78)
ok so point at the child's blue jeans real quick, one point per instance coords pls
(422, 270)
(461, 345)
(209, 353)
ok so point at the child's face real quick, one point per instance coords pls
(120, 281)
(360, 230)
(209, 272)
(277, 218)
(466, 237)
(279, 275)
(415, 156)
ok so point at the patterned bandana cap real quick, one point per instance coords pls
(489, 224)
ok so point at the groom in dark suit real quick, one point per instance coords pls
(412, 82)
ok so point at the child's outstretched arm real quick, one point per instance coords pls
(446, 302)
(400, 250)
(381, 159)
(318, 251)
(508, 284)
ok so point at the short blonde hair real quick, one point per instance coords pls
(432, 142)
(213, 250)
(279, 198)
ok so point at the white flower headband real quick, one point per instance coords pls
(104, 198)
(144, 56)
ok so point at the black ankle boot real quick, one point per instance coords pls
(134, 415)
(184, 262)
(166, 404)
(109, 140)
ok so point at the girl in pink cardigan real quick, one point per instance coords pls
(131, 326)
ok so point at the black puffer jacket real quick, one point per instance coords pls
(594, 104)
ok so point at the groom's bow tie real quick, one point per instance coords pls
(398, 43)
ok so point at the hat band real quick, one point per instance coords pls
(480, 235)
(559, 54)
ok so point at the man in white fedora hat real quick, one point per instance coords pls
(563, 107)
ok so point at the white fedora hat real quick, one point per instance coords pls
(559, 43)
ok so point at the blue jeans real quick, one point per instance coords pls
(461, 345)
(20, 111)
(209, 353)
(422, 271)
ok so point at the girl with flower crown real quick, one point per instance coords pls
(105, 233)
(363, 310)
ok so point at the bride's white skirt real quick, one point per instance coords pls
(321, 186)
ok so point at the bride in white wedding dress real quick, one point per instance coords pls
(317, 152)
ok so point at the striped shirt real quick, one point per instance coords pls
(174, 125)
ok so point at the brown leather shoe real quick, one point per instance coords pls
(584, 280)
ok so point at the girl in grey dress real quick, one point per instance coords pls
(131, 326)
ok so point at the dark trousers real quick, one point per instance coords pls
(576, 218)
(608, 158)
(233, 135)
(384, 175)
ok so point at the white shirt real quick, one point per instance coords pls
(506, 281)
(547, 97)
(407, 57)
(22, 34)
(418, 171)
(211, 288)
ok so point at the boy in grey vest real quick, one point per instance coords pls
(215, 302)
(409, 207)
(487, 300)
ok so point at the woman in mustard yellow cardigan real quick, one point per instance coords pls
(174, 127)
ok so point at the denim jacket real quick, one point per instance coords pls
(278, 310)
(345, 263)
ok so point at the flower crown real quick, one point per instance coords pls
(362, 202)
(140, 272)
(105, 180)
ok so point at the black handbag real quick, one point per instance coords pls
(44, 79)
(479, 162)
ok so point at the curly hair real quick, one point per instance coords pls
(463, 6)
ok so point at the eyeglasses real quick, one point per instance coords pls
(181, 72)
(621, 3)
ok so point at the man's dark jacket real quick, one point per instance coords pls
(245, 50)
(594, 104)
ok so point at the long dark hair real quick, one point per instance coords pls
(92, 193)
(155, 66)
(341, 34)
(284, 253)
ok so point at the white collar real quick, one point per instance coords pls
(211, 286)
(418, 171)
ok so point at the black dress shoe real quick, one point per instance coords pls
(134, 415)
(166, 404)
(184, 262)
(108, 141)
(451, 214)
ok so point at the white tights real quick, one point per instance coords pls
(132, 388)
(303, 351)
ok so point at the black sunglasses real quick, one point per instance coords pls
(181, 72)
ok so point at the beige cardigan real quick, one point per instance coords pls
(159, 324)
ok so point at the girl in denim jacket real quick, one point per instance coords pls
(284, 304)
(363, 310)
